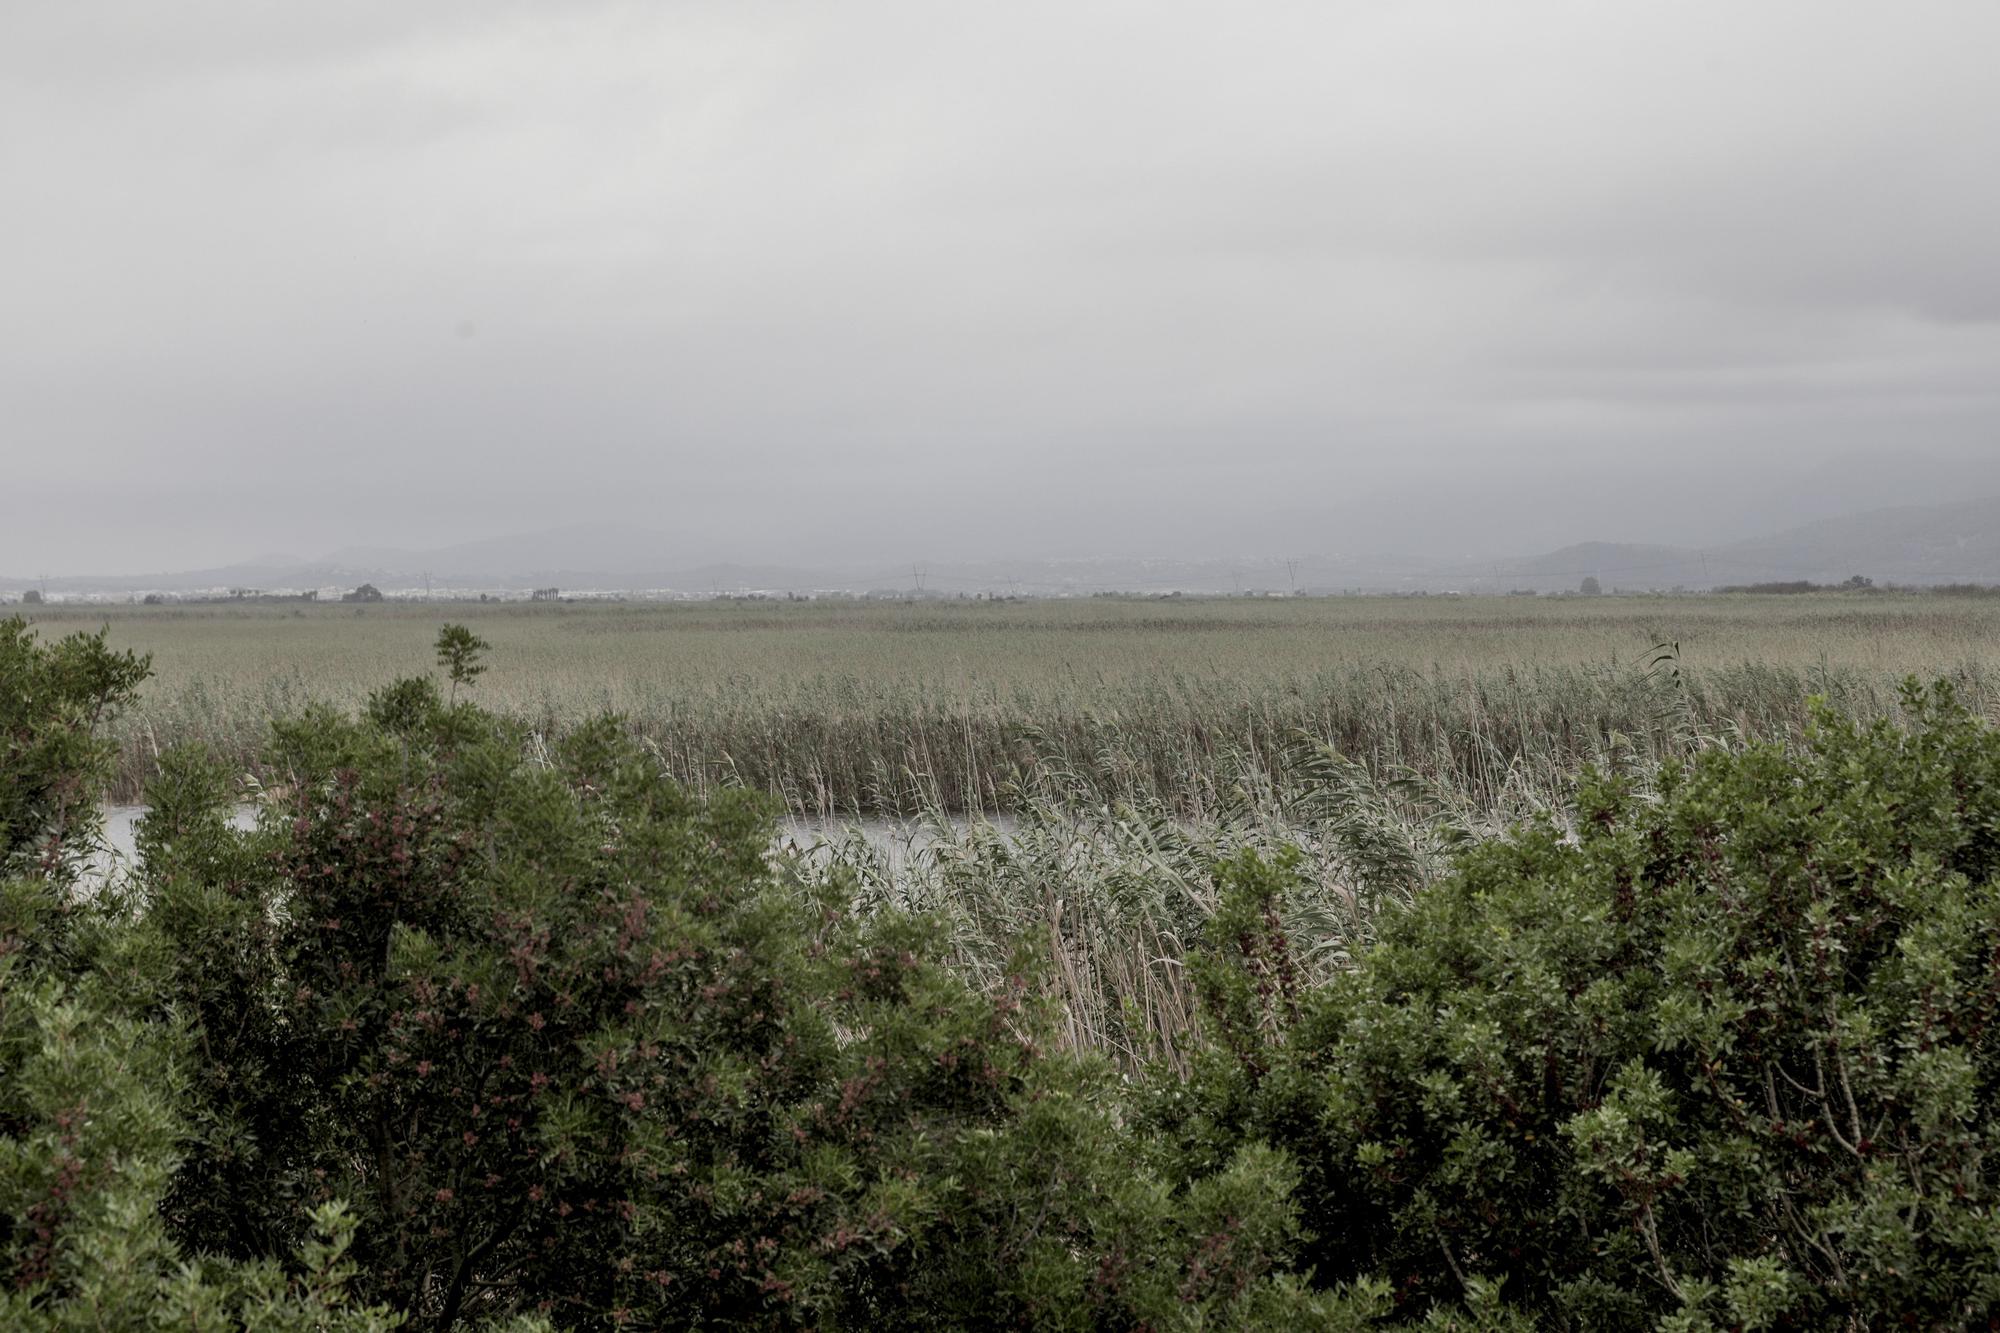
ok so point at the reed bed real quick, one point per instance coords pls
(1108, 898)
(1067, 775)
(863, 709)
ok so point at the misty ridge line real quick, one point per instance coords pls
(1937, 544)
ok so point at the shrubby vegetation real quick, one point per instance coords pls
(1854, 583)
(1724, 1056)
(94, 1072)
(479, 1029)
(540, 1034)
(55, 702)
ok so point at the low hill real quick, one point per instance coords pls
(1915, 544)
(1918, 545)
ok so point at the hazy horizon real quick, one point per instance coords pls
(886, 282)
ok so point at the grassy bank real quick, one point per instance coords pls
(894, 708)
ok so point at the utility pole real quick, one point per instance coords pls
(427, 585)
(1292, 568)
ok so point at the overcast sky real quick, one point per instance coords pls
(939, 280)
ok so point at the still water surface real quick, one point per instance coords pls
(896, 840)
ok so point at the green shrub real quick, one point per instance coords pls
(89, 1133)
(552, 1028)
(1728, 1055)
(92, 1074)
(55, 699)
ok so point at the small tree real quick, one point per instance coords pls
(458, 650)
(1590, 587)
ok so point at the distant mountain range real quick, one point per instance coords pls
(1955, 543)
(1919, 544)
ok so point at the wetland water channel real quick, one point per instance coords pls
(897, 840)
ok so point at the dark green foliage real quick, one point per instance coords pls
(551, 1029)
(91, 1090)
(1854, 583)
(1729, 1056)
(54, 698)
(458, 650)
(92, 1072)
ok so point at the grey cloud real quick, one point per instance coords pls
(795, 279)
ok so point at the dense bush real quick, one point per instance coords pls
(1729, 1055)
(90, 1073)
(553, 1032)
(54, 700)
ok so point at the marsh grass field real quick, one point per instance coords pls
(1131, 744)
(848, 709)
